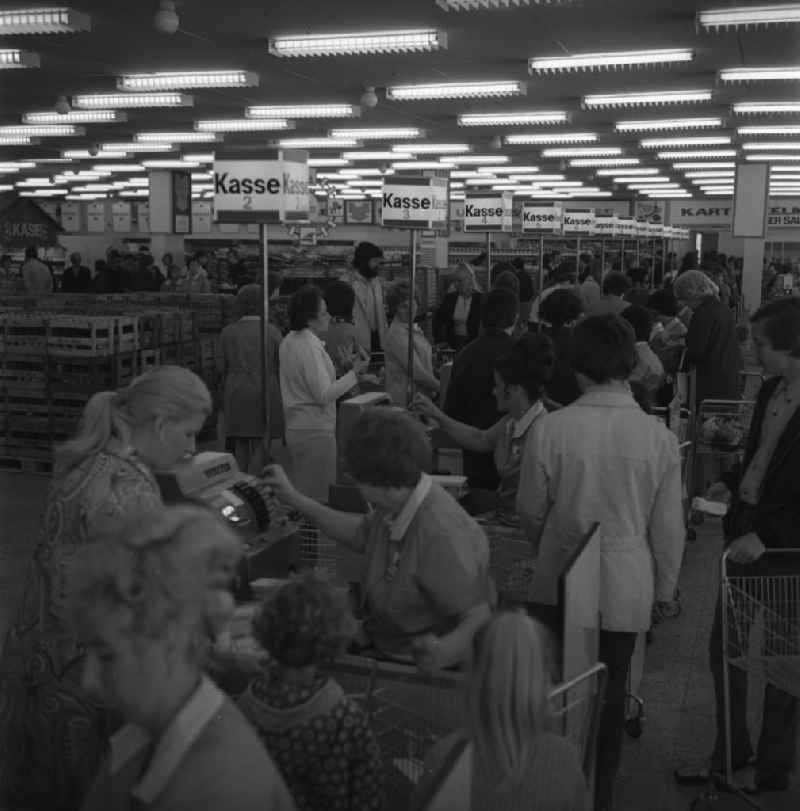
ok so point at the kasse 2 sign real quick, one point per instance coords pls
(415, 202)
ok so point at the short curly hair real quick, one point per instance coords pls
(307, 623)
(398, 295)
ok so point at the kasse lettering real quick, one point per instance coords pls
(473, 211)
(224, 184)
(529, 216)
(391, 200)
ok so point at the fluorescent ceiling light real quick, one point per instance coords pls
(654, 187)
(243, 125)
(592, 193)
(401, 165)
(119, 167)
(318, 143)
(43, 130)
(6, 187)
(637, 179)
(531, 138)
(166, 164)
(754, 146)
(578, 163)
(44, 193)
(644, 170)
(18, 140)
(512, 119)
(699, 154)
(609, 60)
(696, 122)
(380, 155)
(771, 74)
(704, 166)
(199, 157)
(771, 157)
(763, 107)
(94, 188)
(179, 80)
(772, 14)
(660, 143)
(43, 21)
(666, 194)
(711, 175)
(476, 5)
(33, 181)
(535, 179)
(74, 117)
(786, 129)
(103, 154)
(465, 173)
(369, 42)
(646, 99)
(303, 111)
(481, 181)
(582, 152)
(431, 149)
(11, 58)
(455, 90)
(136, 193)
(133, 146)
(362, 172)
(313, 162)
(377, 133)
(508, 170)
(356, 182)
(467, 160)
(174, 137)
(85, 197)
(99, 101)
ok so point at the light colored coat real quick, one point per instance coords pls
(362, 288)
(604, 460)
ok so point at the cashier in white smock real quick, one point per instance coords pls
(369, 312)
(310, 389)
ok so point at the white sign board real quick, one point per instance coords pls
(549, 219)
(488, 212)
(579, 221)
(415, 202)
(71, 216)
(605, 224)
(784, 216)
(626, 227)
(121, 217)
(261, 190)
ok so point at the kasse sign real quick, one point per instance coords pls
(488, 212)
(415, 202)
(579, 220)
(542, 218)
(262, 190)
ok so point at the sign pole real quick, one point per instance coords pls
(541, 265)
(602, 257)
(638, 251)
(265, 355)
(622, 254)
(413, 280)
(488, 261)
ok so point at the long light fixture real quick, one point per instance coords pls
(583, 163)
(327, 162)
(180, 80)
(654, 186)
(657, 180)
(490, 5)
(32, 182)
(303, 111)
(536, 179)
(379, 155)
(44, 193)
(135, 146)
(18, 140)
(771, 157)
(661, 143)
(243, 125)
(477, 160)
(431, 149)
(467, 173)
(402, 165)
(772, 14)
(508, 170)
(790, 73)
(484, 181)
(703, 165)
(119, 167)
(363, 172)
(170, 164)
(11, 58)
(513, 119)
(100, 101)
(377, 133)
(609, 60)
(695, 154)
(43, 130)
(767, 146)
(531, 138)
(84, 154)
(43, 21)
(455, 90)
(582, 152)
(787, 129)
(174, 137)
(318, 143)
(198, 157)
(644, 170)
(710, 175)
(74, 117)
(652, 98)
(766, 107)
(412, 40)
(695, 122)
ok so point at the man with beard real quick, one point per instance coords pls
(369, 312)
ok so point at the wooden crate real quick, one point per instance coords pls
(23, 333)
(21, 402)
(91, 374)
(23, 371)
(92, 335)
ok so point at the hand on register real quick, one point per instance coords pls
(424, 408)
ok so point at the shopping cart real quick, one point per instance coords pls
(760, 635)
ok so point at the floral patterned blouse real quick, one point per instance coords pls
(320, 740)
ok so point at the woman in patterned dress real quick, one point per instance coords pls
(319, 738)
(51, 733)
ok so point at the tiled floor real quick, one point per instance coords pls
(677, 685)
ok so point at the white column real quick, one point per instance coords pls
(752, 273)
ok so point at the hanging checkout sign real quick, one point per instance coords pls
(261, 190)
(626, 227)
(549, 219)
(415, 202)
(579, 221)
(642, 229)
(488, 212)
(605, 225)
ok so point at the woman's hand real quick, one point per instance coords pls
(428, 653)
(424, 405)
(358, 361)
(275, 477)
(746, 549)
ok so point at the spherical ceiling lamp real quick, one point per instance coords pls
(62, 105)
(369, 98)
(166, 19)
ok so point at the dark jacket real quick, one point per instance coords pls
(76, 280)
(712, 347)
(444, 326)
(470, 398)
(563, 386)
(776, 517)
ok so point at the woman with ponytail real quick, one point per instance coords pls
(51, 733)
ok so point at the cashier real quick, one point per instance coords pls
(425, 583)
(310, 389)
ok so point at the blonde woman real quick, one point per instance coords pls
(506, 756)
(145, 601)
(50, 732)
(458, 319)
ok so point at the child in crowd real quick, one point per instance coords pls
(320, 739)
